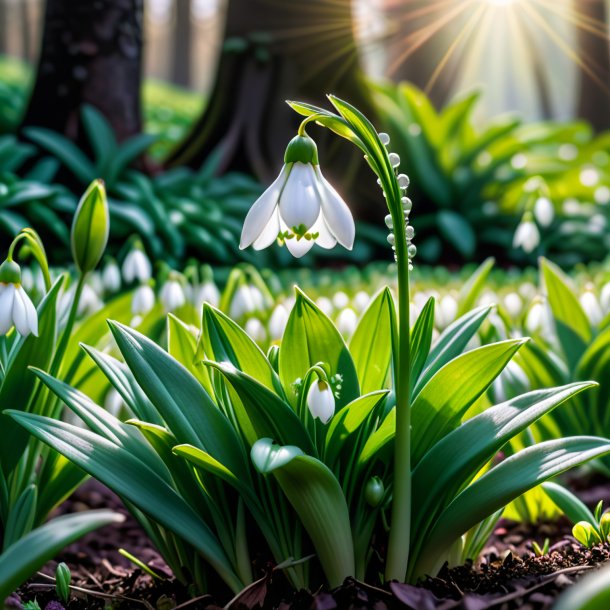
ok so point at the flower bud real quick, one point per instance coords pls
(374, 491)
(321, 401)
(604, 526)
(90, 228)
(585, 533)
(62, 582)
(301, 149)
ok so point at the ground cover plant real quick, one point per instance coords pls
(219, 444)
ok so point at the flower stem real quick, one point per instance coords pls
(400, 529)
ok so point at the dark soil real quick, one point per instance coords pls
(509, 575)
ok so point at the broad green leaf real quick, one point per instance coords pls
(568, 503)
(450, 344)
(134, 480)
(30, 553)
(318, 500)
(444, 400)
(185, 406)
(260, 412)
(442, 472)
(421, 339)
(371, 343)
(502, 484)
(224, 341)
(310, 338)
(571, 322)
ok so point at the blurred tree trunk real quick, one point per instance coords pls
(276, 50)
(181, 59)
(4, 12)
(91, 54)
(594, 97)
(24, 23)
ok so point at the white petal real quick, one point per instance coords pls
(325, 238)
(300, 200)
(30, 311)
(260, 213)
(321, 401)
(20, 318)
(299, 247)
(7, 295)
(269, 233)
(336, 213)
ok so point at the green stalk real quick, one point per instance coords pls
(400, 530)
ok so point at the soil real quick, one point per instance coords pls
(508, 576)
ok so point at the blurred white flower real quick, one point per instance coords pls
(16, 309)
(111, 277)
(544, 211)
(325, 305)
(255, 329)
(207, 293)
(604, 297)
(320, 401)
(244, 301)
(445, 311)
(300, 208)
(143, 300)
(513, 304)
(527, 235)
(136, 266)
(172, 295)
(361, 301)
(340, 300)
(347, 322)
(591, 306)
(278, 321)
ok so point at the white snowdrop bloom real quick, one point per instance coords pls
(256, 330)
(300, 208)
(534, 321)
(604, 297)
(172, 295)
(496, 321)
(96, 283)
(513, 304)
(16, 308)
(278, 321)
(136, 266)
(111, 277)
(113, 402)
(347, 322)
(572, 207)
(527, 290)
(325, 305)
(207, 293)
(143, 300)
(361, 301)
(527, 235)
(90, 302)
(445, 311)
(544, 211)
(243, 302)
(320, 401)
(591, 306)
(487, 298)
(340, 300)
(589, 176)
(258, 298)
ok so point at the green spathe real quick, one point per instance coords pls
(90, 228)
(301, 149)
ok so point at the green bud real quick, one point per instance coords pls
(10, 272)
(301, 149)
(374, 491)
(604, 526)
(90, 228)
(62, 582)
(585, 533)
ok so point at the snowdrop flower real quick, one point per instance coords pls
(143, 300)
(89, 302)
(325, 305)
(527, 235)
(536, 317)
(243, 302)
(513, 304)
(136, 265)
(340, 300)
(111, 277)
(207, 293)
(16, 308)
(604, 297)
(446, 311)
(347, 322)
(255, 329)
(278, 321)
(591, 306)
(172, 295)
(544, 211)
(300, 208)
(361, 301)
(320, 401)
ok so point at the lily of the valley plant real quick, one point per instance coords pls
(315, 446)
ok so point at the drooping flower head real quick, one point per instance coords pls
(16, 308)
(300, 208)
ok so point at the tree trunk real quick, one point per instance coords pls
(4, 13)
(91, 54)
(594, 90)
(181, 59)
(273, 51)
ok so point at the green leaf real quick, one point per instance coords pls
(421, 339)
(30, 553)
(470, 291)
(457, 231)
(568, 503)
(134, 480)
(310, 338)
(444, 400)
(371, 343)
(502, 484)
(590, 593)
(318, 500)
(100, 135)
(21, 517)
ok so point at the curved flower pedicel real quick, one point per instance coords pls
(300, 208)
